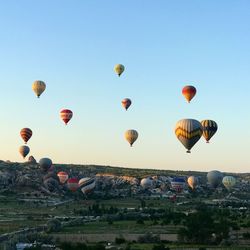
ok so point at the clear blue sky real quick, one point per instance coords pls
(164, 45)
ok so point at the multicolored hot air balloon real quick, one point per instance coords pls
(66, 115)
(188, 132)
(214, 178)
(229, 182)
(26, 134)
(192, 182)
(63, 177)
(209, 129)
(178, 184)
(45, 164)
(119, 68)
(72, 184)
(131, 136)
(24, 150)
(189, 92)
(38, 87)
(126, 102)
(86, 185)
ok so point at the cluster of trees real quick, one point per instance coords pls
(206, 226)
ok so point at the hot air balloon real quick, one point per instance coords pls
(188, 132)
(209, 129)
(214, 178)
(45, 164)
(178, 184)
(229, 182)
(26, 133)
(63, 177)
(66, 115)
(189, 92)
(131, 136)
(72, 184)
(38, 87)
(192, 182)
(147, 182)
(119, 68)
(126, 102)
(86, 185)
(24, 150)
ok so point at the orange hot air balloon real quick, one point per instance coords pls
(126, 102)
(189, 92)
(26, 133)
(66, 115)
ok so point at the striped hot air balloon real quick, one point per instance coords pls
(38, 87)
(26, 134)
(209, 129)
(229, 182)
(66, 115)
(24, 150)
(189, 92)
(126, 102)
(188, 132)
(131, 136)
(72, 184)
(63, 177)
(87, 185)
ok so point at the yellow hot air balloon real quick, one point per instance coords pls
(192, 182)
(131, 136)
(188, 132)
(209, 129)
(119, 68)
(38, 87)
(229, 182)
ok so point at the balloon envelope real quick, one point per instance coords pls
(119, 68)
(45, 164)
(87, 185)
(229, 182)
(24, 150)
(209, 129)
(189, 92)
(66, 115)
(188, 132)
(126, 102)
(38, 87)
(192, 182)
(131, 136)
(72, 184)
(214, 178)
(178, 184)
(26, 134)
(63, 177)
(146, 182)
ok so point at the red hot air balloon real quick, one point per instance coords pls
(73, 184)
(66, 115)
(126, 102)
(189, 92)
(26, 133)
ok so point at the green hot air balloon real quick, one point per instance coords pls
(229, 182)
